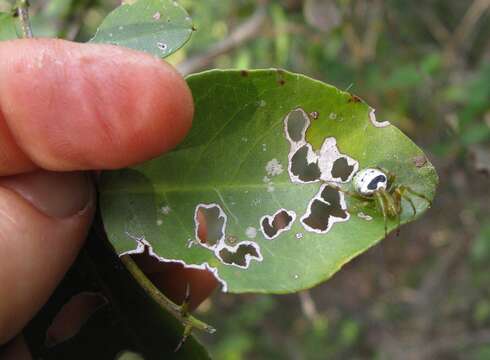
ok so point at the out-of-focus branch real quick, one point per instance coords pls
(308, 305)
(353, 43)
(375, 26)
(363, 48)
(437, 274)
(243, 33)
(451, 343)
(469, 21)
(434, 25)
(457, 40)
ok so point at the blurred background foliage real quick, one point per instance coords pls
(425, 66)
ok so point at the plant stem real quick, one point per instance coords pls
(22, 9)
(176, 310)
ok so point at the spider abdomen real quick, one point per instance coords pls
(368, 181)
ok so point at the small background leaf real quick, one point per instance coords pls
(238, 129)
(323, 15)
(7, 27)
(159, 27)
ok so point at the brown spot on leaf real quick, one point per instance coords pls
(420, 161)
(354, 99)
(244, 73)
(280, 77)
(231, 240)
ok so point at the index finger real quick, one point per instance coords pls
(67, 106)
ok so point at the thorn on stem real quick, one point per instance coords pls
(187, 332)
(184, 311)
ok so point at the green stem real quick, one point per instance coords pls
(162, 300)
(22, 9)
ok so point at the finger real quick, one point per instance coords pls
(72, 316)
(67, 106)
(44, 218)
(15, 350)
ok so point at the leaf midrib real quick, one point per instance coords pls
(203, 188)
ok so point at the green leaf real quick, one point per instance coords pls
(233, 158)
(159, 27)
(7, 27)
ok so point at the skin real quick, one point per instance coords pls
(67, 109)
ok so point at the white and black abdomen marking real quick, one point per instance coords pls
(368, 181)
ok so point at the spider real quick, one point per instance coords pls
(376, 184)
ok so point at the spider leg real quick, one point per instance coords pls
(398, 224)
(184, 311)
(187, 332)
(401, 193)
(411, 204)
(382, 205)
(383, 170)
(353, 194)
(391, 177)
(397, 196)
(404, 188)
(361, 198)
(391, 181)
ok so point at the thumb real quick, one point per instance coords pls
(44, 219)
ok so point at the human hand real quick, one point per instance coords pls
(65, 109)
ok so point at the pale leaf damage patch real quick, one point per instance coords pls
(274, 168)
(165, 210)
(324, 210)
(335, 166)
(275, 225)
(251, 232)
(363, 216)
(270, 184)
(305, 165)
(376, 123)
